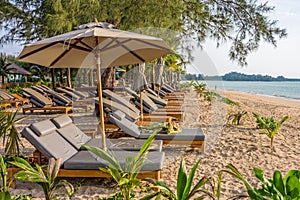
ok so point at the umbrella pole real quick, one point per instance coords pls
(69, 77)
(141, 105)
(101, 123)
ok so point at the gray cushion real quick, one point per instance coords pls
(119, 114)
(85, 160)
(184, 135)
(73, 135)
(156, 99)
(51, 145)
(43, 128)
(124, 144)
(62, 121)
(125, 125)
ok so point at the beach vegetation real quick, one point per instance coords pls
(238, 118)
(46, 179)
(10, 136)
(199, 87)
(279, 187)
(184, 189)
(125, 176)
(269, 125)
(4, 70)
(4, 193)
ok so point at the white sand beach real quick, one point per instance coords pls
(242, 145)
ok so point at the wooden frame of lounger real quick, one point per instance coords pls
(24, 100)
(82, 173)
(5, 105)
(65, 109)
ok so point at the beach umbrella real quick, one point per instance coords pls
(94, 44)
(140, 83)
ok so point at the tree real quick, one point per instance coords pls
(243, 23)
(4, 71)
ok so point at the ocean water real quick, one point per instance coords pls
(285, 89)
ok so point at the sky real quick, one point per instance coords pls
(267, 60)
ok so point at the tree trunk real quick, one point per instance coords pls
(61, 77)
(108, 78)
(53, 78)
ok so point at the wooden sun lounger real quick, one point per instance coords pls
(24, 100)
(5, 105)
(65, 109)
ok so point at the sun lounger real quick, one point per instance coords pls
(5, 97)
(68, 93)
(193, 137)
(81, 163)
(41, 102)
(81, 94)
(24, 101)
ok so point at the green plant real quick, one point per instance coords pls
(237, 118)
(4, 194)
(9, 133)
(270, 126)
(45, 180)
(125, 176)
(199, 87)
(186, 84)
(279, 188)
(184, 189)
(15, 90)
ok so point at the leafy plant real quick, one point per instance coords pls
(37, 175)
(278, 188)
(15, 90)
(9, 133)
(270, 126)
(125, 176)
(199, 87)
(237, 118)
(184, 189)
(186, 84)
(4, 194)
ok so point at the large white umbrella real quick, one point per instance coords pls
(94, 44)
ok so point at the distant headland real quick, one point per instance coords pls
(235, 76)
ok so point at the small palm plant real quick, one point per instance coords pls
(4, 194)
(45, 180)
(199, 87)
(277, 188)
(10, 136)
(238, 118)
(269, 125)
(184, 189)
(125, 176)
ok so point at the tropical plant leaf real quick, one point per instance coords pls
(189, 182)
(181, 180)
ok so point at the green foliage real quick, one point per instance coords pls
(4, 71)
(186, 84)
(237, 118)
(45, 179)
(243, 23)
(270, 126)
(278, 188)
(199, 87)
(14, 90)
(9, 133)
(125, 176)
(4, 194)
(184, 189)
(170, 127)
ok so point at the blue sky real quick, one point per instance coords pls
(283, 60)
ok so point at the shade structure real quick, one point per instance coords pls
(94, 44)
(159, 69)
(16, 69)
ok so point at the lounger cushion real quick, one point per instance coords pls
(43, 128)
(51, 145)
(124, 144)
(85, 160)
(62, 121)
(125, 125)
(185, 134)
(36, 103)
(119, 114)
(73, 135)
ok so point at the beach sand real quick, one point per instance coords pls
(241, 145)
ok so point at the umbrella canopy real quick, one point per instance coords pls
(94, 44)
(16, 69)
(73, 49)
(140, 81)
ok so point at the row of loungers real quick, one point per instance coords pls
(60, 138)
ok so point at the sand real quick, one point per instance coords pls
(241, 145)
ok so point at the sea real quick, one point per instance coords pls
(284, 89)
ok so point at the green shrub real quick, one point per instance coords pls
(270, 126)
(237, 118)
